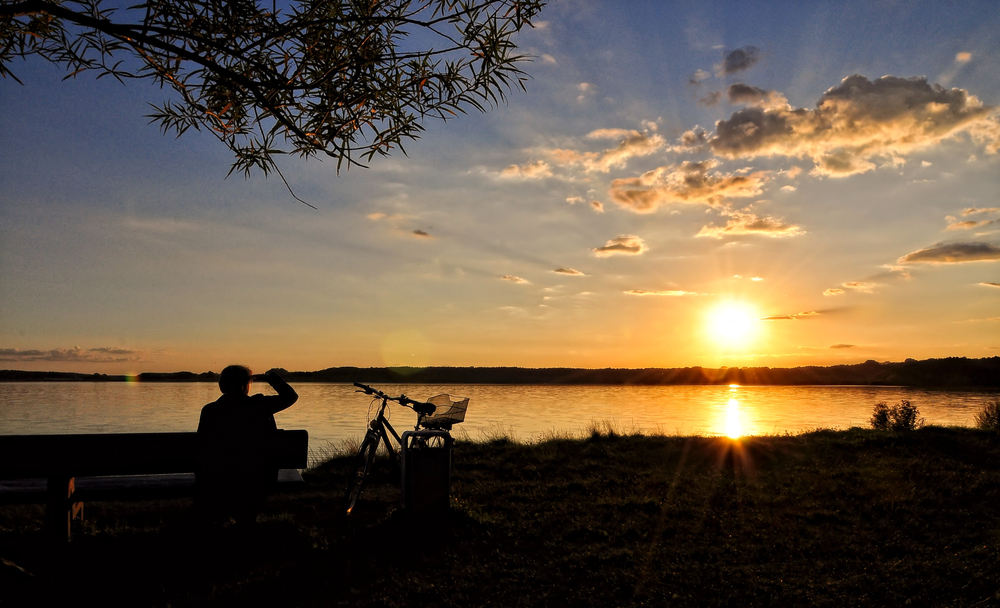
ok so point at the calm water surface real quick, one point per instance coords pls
(334, 412)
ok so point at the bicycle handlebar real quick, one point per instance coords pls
(419, 407)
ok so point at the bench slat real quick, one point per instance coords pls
(124, 487)
(29, 456)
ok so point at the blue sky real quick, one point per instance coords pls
(641, 204)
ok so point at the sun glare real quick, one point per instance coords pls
(732, 324)
(734, 420)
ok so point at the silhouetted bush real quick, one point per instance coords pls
(988, 416)
(902, 417)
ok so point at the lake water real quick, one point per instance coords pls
(333, 413)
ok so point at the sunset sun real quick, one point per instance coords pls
(732, 324)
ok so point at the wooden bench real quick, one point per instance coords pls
(64, 471)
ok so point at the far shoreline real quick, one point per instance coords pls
(945, 373)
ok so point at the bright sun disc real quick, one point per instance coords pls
(732, 324)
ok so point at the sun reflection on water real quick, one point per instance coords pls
(733, 424)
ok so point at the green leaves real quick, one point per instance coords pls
(343, 78)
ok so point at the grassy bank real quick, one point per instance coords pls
(847, 518)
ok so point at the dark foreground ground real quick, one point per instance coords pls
(852, 518)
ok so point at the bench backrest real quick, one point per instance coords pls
(28, 456)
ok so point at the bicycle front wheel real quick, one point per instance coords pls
(359, 470)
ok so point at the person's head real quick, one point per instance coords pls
(235, 380)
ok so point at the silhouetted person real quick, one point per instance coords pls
(235, 434)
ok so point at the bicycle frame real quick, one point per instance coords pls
(380, 425)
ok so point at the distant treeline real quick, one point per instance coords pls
(952, 372)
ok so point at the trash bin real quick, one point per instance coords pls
(426, 469)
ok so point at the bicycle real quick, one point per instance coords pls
(437, 414)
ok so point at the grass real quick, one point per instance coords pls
(829, 518)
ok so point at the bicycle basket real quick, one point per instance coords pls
(449, 410)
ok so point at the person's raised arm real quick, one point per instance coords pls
(286, 394)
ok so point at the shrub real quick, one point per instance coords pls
(902, 417)
(988, 416)
(880, 416)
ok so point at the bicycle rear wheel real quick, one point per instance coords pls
(359, 470)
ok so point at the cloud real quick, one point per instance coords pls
(711, 100)
(622, 245)
(698, 76)
(693, 138)
(585, 89)
(744, 94)
(859, 121)
(670, 293)
(549, 59)
(739, 60)
(597, 206)
(533, 170)
(842, 346)
(963, 57)
(376, 216)
(421, 234)
(788, 188)
(791, 317)
(689, 182)
(953, 253)
(569, 271)
(514, 279)
(862, 286)
(793, 172)
(632, 144)
(746, 222)
(990, 284)
(105, 354)
(969, 224)
(974, 210)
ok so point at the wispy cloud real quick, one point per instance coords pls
(711, 99)
(534, 170)
(421, 234)
(798, 315)
(569, 271)
(746, 222)
(975, 211)
(969, 224)
(622, 245)
(689, 182)
(842, 346)
(514, 279)
(984, 284)
(105, 354)
(953, 253)
(631, 144)
(860, 286)
(586, 90)
(857, 122)
(699, 76)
